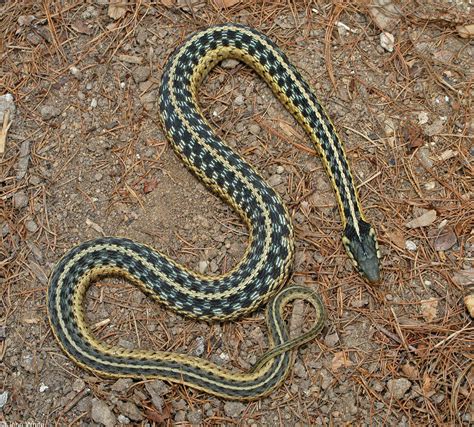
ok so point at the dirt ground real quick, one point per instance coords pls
(85, 156)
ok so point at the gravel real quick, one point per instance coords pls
(102, 414)
(398, 387)
(234, 409)
(141, 73)
(48, 112)
(20, 200)
(31, 226)
(130, 410)
(78, 385)
(157, 389)
(122, 385)
(3, 399)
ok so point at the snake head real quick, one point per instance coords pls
(363, 249)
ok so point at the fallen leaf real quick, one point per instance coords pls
(422, 221)
(339, 360)
(466, 31)
(26, 20)
(131, 59)
(289, 130)
(31, 320)
(445, 240)
(469, 303)
(38, 272)
(153, 415)
(82, 28)
(428, 309)
(412, 135)
(117, 9)
(410, 371)
(95, 226)
(427, 386)
(385, 14)
(397, 238)
(447, 154)
(464, 278)
(112, 26)
(149, 185)
(222, 4)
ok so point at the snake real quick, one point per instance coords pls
(259, 278)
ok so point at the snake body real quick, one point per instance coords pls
(266, 265)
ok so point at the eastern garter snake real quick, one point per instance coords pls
(266, 264)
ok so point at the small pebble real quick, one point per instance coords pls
(20, 200)
(180, 416)
(410, 245)
(398, 387)
(122, 419)
(130, 410)
(76, 72)
(214, 266)
(202, 266)
(199, 350)
(254, 129)
(35, 180)
(49, 111)
(229, 63)
(122, 385)
(3, 399)
(179, 404)
(300, 370)
(126, 344)
(387, 41)
(239, 100)
(23, 160)
(94, 103)
(78, 385)
(141, 73)
(31, 226)
(331, 340)
(326, 379)
(102, 414)
(156, 389)
(195, 417)
(275, 180)
(234, 409)
(423, 155)
(359, 303)
(90, 12)
(7, 104)
(377, 386)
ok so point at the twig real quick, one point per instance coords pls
(3, 132)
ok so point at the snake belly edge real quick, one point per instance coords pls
(266, 265)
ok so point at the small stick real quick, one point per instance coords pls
(3, 132)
